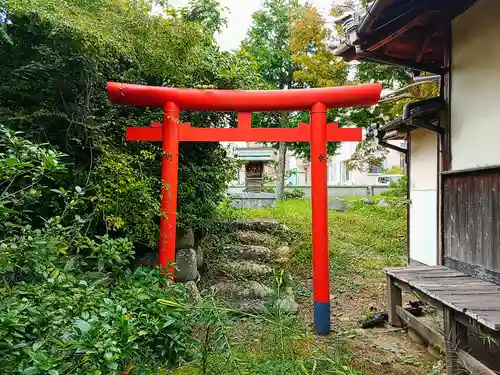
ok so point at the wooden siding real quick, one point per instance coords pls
(471, 220)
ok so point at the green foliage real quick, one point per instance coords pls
(294, 194)
(368, 153)
(399, 188)
(231, 342)
(317, 65)
(61, 53)
(121, 190)
(395, 170)
(207, 13)
(366, 236)
(69, 301)
(268, 42)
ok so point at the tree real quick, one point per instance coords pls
(53, 89)
(267, 45)
(316, 65)
(76, 199)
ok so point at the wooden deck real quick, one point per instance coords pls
(470, 307)
(480, 300)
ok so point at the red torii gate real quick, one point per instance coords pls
(317, 101)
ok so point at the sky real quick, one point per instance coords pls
(240, 18)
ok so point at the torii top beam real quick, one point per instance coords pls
(244, 101)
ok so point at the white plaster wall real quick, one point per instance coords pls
(423, 160)
(423, 197)
(475, 86)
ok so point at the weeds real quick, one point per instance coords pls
(271, 344)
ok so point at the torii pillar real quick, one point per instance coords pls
(170, 133)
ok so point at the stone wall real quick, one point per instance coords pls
(333, 191)
(253, 200)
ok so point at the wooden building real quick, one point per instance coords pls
(454, 166)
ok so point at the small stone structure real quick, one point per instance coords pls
(337, 205)
(187, 259)
(253, 200)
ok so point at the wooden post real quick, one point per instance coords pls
(455, 337)
(394, 299)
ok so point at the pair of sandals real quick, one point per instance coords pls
(380, 318)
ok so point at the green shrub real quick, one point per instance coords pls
(399, 188)
(70, 302)
(294, 194)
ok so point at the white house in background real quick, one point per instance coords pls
(338, 174)
(260, 166)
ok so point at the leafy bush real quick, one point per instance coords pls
(70, 302)
(399, 188)
(294, 194)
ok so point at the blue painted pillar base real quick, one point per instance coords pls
(322, 318)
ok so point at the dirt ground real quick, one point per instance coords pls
(385, 350)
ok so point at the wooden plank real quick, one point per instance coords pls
(396, 270)
(481, 317)
(446, 293)
(394, 299)
(423, 329)
(435, 273)
(472, 223)
(419, 294)
(453, 281)
(430, 283)
(457, 293)
(472, 365)
(430, 275)
(465, 289)
(475, 301)
(435, 276)
(487, 320)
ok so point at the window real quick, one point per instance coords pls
(330, 172)
(347, 173)
(374, 169)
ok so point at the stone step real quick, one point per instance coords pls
(254, 298)
(249, 252)
(242, 290)
(245, 269)
(250, 237)
(262, 226)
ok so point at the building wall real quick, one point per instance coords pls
(471, 222)
(333, 191)
(423, 197)
(475, 88)
(339, 175)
